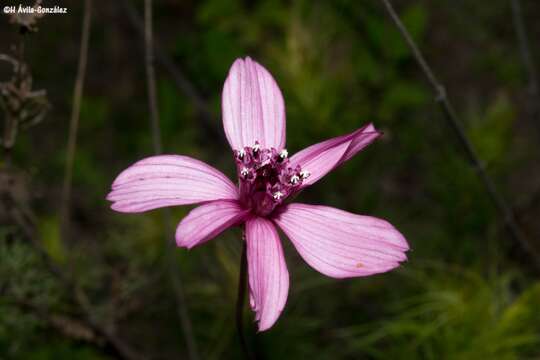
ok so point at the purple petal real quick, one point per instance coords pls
(268, 275)
(168, 180)
(321, 158)
(253, 107)
(207, 221)
(340, 244)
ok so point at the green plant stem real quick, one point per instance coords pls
(240, 300)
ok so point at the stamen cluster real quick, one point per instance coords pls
(266, 177)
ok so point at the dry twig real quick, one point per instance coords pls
(181, 305)
(208, 119)
(528, 62)
(74, 120)
(453, 120)
(22, 106)
(525, 51)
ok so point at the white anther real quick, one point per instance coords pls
(283, 154)
(241, 154)
(295, 179)
(278, 195)
(304, 174)
(244, 172)
(256, 147)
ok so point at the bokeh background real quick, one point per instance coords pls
(468, 291)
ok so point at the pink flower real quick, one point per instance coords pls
(337, 243)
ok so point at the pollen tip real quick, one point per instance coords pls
(257, 146)
(278, 195)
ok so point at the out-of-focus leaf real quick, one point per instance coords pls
(491, 131)
(52, 242)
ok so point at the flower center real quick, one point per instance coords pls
(266, 177)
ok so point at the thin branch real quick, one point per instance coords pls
(11, 123)
(74, 120)
(151, 77)
(208, 119)
(240, 300)
(67, 325)
(523, 40)
(456, 124)
(533, 105)
(181, 305)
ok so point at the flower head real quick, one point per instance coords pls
(337, 243)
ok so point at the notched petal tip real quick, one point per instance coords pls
(370, 127)
(371, 130)
(182, 241)
(267, 325)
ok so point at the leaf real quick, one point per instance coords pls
(49, 228)
(491, 130)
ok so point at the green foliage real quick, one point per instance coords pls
(455, 314)
(50, 232)
(490, 130)
(24, 284)
(21, 271)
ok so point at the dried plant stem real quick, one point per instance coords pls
(74, 120)
(178, 287)
(68, 325)
(525, 51)
(240, 300)
(533, 103)
(208, 119)
(11, 123)
(181, 305)
(456, 124)
(151, 77)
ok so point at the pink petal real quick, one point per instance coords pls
(253, 107)
(168, 180)
(207, 221)
(321, 158)
(268, 275)
(340, 244)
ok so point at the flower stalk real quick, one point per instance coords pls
(240, 299)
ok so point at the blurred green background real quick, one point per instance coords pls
(468, 291)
